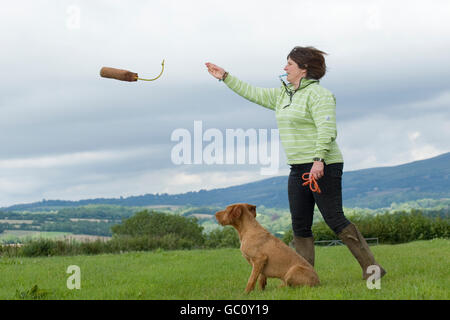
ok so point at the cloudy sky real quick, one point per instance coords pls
(67, 133)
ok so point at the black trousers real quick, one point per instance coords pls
(329, 202)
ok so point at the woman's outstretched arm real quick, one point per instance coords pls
(266, 97)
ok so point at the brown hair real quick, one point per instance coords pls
(311, 59)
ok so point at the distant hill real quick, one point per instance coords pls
(368, 188)
(379, 187)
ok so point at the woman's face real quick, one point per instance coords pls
(294, 73)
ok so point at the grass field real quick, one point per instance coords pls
(416, 270)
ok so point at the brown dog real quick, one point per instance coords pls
(268, 255)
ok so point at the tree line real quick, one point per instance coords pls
(150, 230)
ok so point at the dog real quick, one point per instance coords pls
(268, 255)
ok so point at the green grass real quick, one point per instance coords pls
(416, 270)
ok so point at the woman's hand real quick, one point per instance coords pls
(216, 71)
(317, 170)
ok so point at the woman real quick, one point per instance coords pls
(306, 118)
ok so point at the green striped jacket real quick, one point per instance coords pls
(307, 126)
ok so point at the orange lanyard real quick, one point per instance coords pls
(311, 181)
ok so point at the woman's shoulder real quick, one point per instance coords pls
(319, 90)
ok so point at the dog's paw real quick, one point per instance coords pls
(262, 283)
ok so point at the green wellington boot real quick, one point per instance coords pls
(305, 248)
(358, 246)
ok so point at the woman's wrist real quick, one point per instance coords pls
(224, 76)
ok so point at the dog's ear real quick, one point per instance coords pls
(252, 209)
(235, 212)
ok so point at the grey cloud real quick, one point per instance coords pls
(388, 69)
